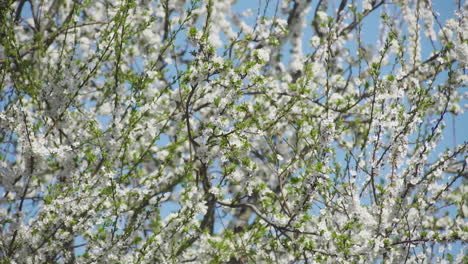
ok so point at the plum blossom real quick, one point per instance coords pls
(201, 131)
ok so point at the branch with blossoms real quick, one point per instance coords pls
(177, 131)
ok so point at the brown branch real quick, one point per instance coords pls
(264, 218)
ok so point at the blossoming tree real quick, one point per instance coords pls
(178, 131)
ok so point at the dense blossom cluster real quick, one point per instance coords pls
(177, 131)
